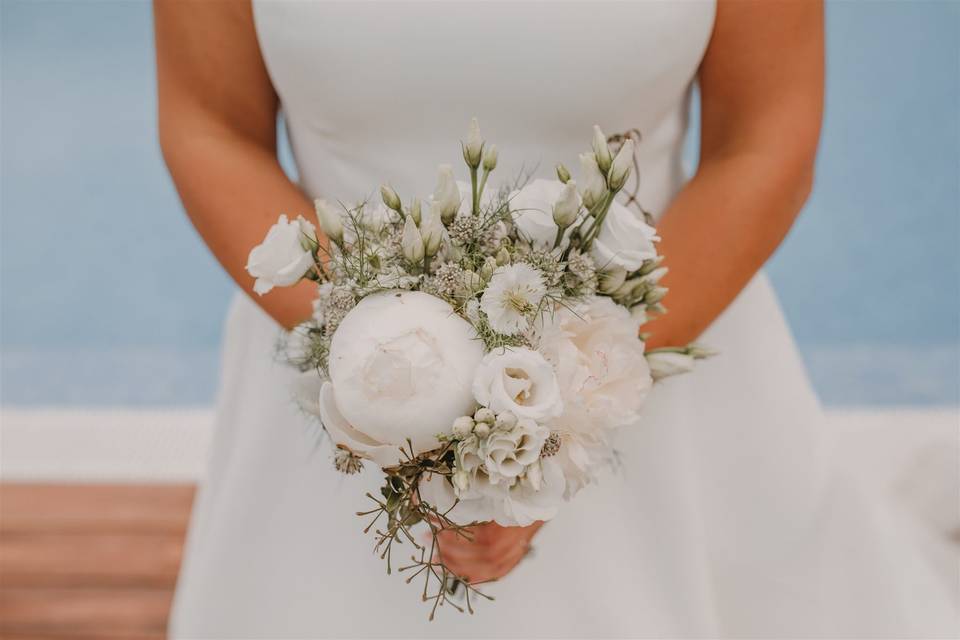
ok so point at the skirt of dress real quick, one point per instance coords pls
(728, 517)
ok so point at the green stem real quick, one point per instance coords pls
(483, 184)
(476, 195)
(560, 230)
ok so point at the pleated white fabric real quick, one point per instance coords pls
(729, 516)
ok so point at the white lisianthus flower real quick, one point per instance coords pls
(600, 365)
(283, 257)
(535, 495)
(669, 363)
(532, 210)
(330, 220)
(512, 296)
(520, 381)
(622, 164)
(566, 210)
(624, 240)
(401, 366)
(593, 184)
(601, 150)
(411, 242)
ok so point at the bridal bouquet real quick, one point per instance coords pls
(480, 347)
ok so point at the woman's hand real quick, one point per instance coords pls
(492, 553)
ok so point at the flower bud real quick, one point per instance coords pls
(490, 158)
(628, 288)
(431, 230)
(699, 351)
(622, 164)
(308, 235)
(488, 267)
(601, 149)
(461, 481)
(473, 281)
(462, 427)
(654, 276)
(446, 197)
(612, 280)
(650, 265)
(566, 209)
(484, 414)
(503, 257)
(415, 210)
(482, 429)
(390, 197)
(411, 242)
(329, 220)
(506, 421)
(593, 184)
(668, 363)
(563, 174)
(655, 295)
(473, 147)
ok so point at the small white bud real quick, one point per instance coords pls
(461, 481)
(390, 197)
(308, 234)
(566, 210)
(668, 363)
(473, 147)
(431, 231)
(654, 276)
(473, 281)
(506, 421)
(411, 242)
(415, 210)
(462, 427)
(655, 295)
(601, 149)
(490, 158)
(485, 415)
(488, 267)
(563, 174)
(503, 257)
(612, 280)
(482, 429)
(622, 164)
(329, 220)
(593, 185)
(446, 197)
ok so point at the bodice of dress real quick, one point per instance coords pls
(382, 91)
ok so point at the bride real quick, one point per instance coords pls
(729, 517)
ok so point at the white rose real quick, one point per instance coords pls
(507, 453)
(520, 381)
(282, 259)
(624, 240)
(599, 362)
(401, 365)
(534, 496)
(532, 211)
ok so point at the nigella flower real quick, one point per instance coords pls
(512, 296)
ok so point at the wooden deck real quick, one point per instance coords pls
(89, 562)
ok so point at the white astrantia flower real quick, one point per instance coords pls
(593, 184)
(401, 366)
(283, 257)
(532, 210)
(519, 381)
(512, 297)
(624, 240)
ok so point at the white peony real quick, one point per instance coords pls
(284, 255)
(535, 495)
(600, 366)
(624, 240)
(512, 297)
(401, 365)
(519, 381)
(532, 211)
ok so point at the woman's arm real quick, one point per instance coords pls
(218, 122)
(761, 84)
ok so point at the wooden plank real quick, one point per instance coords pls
(95, 508)
(89, 559)
(110, 613)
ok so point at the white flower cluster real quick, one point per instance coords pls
(495, 334)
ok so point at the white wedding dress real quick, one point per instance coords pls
(728, 517)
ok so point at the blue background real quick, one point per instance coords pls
(109, 297)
